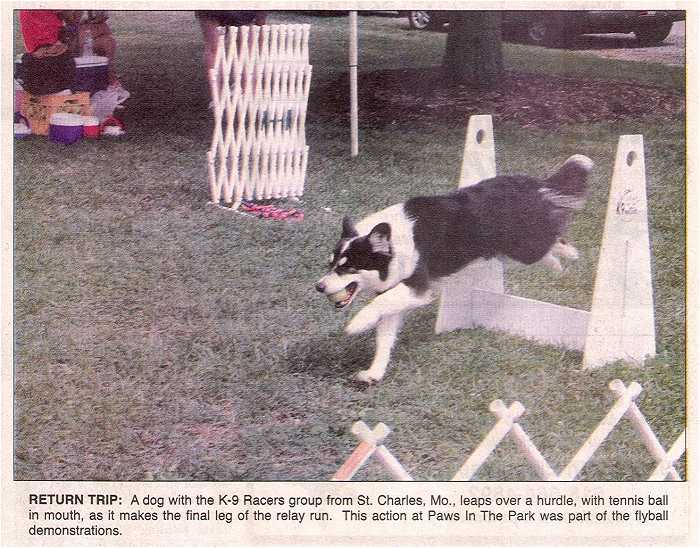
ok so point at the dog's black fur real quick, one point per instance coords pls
(500, 216)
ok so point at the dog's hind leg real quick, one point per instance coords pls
(386, 333)
(551, 261)
(561, 248)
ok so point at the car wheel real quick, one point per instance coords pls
(419, 20)
(546, 32)
(651, 35)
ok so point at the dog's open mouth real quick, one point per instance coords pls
(344, 297)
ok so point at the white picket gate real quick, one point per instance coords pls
(371, 443)
(260, 86)
(620, 324)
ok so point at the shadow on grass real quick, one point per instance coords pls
(338, 356)
(331, 356)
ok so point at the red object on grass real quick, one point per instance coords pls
(272, 212)
(92, 131)
(112, 121)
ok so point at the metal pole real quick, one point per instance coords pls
(352, 64)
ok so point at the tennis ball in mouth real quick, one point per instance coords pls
(339, 296)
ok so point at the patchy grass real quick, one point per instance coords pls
(157, 338)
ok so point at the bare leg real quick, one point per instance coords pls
(103, 43)
(211, 39)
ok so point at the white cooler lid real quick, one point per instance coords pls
(91, 121)
(66, 119)
(90, 61)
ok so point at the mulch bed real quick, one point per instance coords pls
(529, 100)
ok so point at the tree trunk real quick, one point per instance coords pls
(473, 50)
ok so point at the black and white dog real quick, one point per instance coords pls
(402, 252)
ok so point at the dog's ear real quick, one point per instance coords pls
(379, 239)
(349, 230)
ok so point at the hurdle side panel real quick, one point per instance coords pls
(479, 158)
(540, 321)
(456, 309)
(478, 163)
(622, 314)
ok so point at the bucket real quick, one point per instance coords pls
(91, 73)
(65, 128)
(91, 127)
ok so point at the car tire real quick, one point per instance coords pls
(652, 35)
(549, 31)
(420, 20)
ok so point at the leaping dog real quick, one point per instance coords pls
(401, 254)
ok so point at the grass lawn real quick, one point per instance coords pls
(159, 338)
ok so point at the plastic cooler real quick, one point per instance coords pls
(90, 73)
(65, 128)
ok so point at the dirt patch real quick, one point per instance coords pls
(529, 100)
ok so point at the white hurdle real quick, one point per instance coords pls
(507, 424)
(260, 85)
(620, 324)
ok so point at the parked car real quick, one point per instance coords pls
(650, 27)
(422, 19)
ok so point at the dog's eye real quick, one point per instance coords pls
(345, 269)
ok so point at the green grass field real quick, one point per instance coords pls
(159, 338)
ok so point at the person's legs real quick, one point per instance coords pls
(103, 43)
(211, 38)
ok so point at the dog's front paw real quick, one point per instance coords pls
(363, 321)
(366, 376)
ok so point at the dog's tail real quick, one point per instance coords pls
(568, 187)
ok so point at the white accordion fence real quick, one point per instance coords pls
(620, 324)
(371, 443)
(260, 90)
